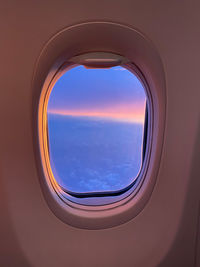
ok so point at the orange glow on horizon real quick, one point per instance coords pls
(136, 115)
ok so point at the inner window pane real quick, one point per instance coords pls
(95, 129)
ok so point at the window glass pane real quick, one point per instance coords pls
(95, 129)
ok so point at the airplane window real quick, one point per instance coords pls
(96, 130)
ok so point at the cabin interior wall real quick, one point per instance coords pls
(164, 233)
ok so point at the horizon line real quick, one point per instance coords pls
(131, 118)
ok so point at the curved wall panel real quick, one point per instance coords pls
(164, 231)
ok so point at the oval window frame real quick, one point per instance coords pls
(142, 54)
(108, 198)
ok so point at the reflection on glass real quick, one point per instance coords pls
(95, 127)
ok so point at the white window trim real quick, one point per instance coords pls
(138, 50)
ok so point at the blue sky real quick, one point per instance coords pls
(113, 92)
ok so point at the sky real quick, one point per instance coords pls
(113, 93)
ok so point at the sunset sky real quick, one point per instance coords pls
(113, 93)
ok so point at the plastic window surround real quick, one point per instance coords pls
(98, 60)
(84, 38)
